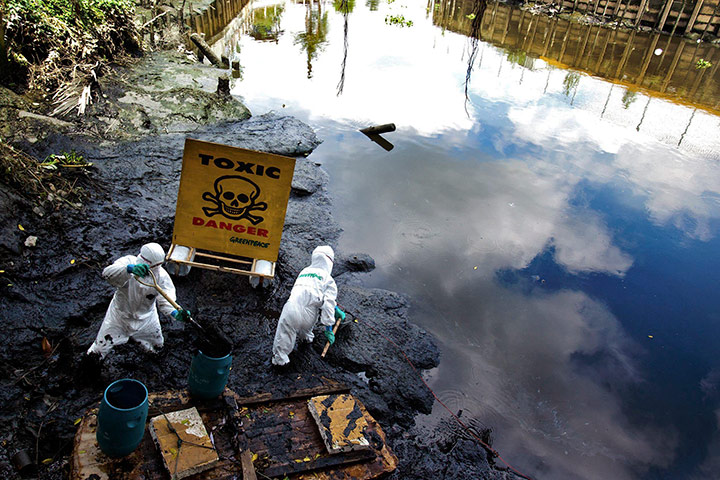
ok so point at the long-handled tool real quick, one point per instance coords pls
(213, 341)
(327, 345)
(155, 285)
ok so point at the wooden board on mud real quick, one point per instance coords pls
(279, 433)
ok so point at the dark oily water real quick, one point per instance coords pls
(551, 205)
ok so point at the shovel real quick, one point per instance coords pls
(212, 340)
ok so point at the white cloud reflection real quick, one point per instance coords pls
(545, 369)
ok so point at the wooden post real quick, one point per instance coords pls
(207, 51)
(671, 70)
(665, 13)
(693, 16)
(616, 10)
(712, 19)
(602, 54)
(626, 54)
(648, 57)
(677, 20)
(641, 12)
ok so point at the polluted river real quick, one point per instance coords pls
(537, 235)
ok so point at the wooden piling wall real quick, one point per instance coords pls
(622, 56)
(211, 20)
(679, 16)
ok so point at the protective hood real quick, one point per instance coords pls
(152, 254)
(323, 258)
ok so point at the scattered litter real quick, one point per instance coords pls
(30, 241)
(650, 336)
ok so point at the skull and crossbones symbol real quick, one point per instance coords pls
(234, 198)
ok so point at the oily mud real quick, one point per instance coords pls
(54, 299)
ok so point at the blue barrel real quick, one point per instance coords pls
(208, 375)
(122, 416)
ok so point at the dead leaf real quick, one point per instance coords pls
(21, 228)
(47, 461)
(77, 421)
(46, 347)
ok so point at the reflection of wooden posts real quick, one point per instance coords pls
(492, 20)
(693, 16)
(712, 73)
(616, 10)
(592, 48)
(549, 37)
(564, 42)
(665, 13)
(626, 54)
(641, 12)
(677, 20)
(712, 19)
(601, 57)
(648, 57)
(581, 50)
(671, 70)
(509, 13)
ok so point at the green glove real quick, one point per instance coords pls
(181, 315)
(139, 270)
(339, 314)
(330, 336)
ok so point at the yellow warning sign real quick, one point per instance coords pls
(232, 200)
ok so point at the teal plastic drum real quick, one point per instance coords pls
(208, 375)
(122, 416)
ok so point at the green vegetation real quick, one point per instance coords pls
(266, 23)
(628, 98)
(48, 43)
(702, 63)
(49, 186)
(398, 20)
(570, 83)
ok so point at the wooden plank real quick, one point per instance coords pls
(328, 461)
(331, 387)
(340, 422)
(183, 443)
(248, 469)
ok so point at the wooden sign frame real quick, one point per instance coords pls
(220, 262)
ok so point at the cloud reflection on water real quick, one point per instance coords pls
(548, 369)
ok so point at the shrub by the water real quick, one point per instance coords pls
(46, 43)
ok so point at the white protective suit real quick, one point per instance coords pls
(132, 312)
(314, 292)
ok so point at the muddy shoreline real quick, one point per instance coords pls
(54, 290)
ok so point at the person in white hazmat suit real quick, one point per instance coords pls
(313, 293)
(132, 312)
